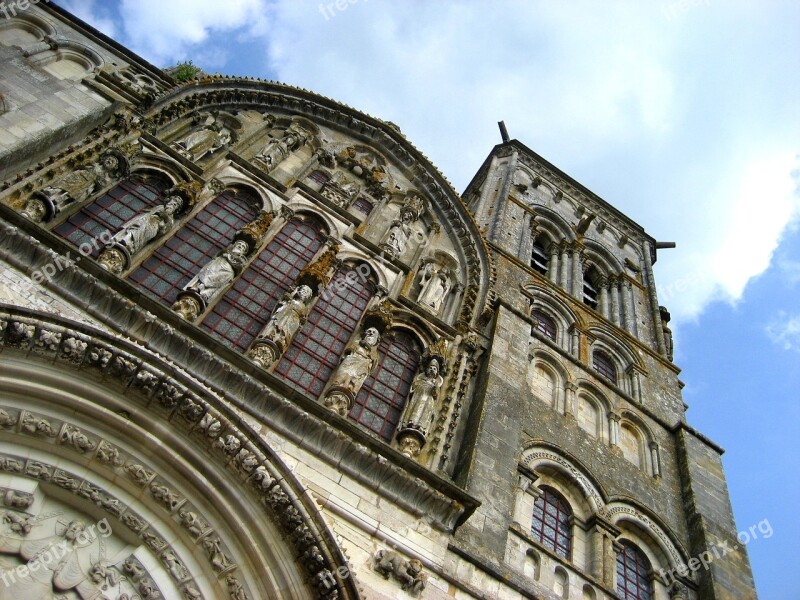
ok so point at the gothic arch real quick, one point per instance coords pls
(98, 394)
(233, 181)
(147, 161)
(554, 224)
(599, 255)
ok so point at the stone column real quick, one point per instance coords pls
(613, 285)
(602, 297)
(578, 261)
(552, 272)
(603, 559)
(523, 510)
(570, 390)
(613, 428)
(627, 304)
(563, 277)
(656, 459)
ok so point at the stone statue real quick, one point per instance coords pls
(75, 186)
(668, 343)
(211, 280)
(408, 573)
(435, 289)
(203, 141)
(424, 392)
(277, 149)
(138, 233)
(359, 361)
(289, 315)
(398, 235)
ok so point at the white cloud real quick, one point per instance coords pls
(679, 122)
(89, 11)
(165, 32)
(784, 330)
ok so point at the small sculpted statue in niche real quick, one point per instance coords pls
(276, 150)
(139, 232)
(201, 142)
(75, 187)
(211, 280)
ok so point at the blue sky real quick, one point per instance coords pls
(684, 115)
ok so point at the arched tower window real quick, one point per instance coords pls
(245, 308)
(591, 285)
(314, 354)
(175, 262)
(604, 366)
(633, 573)
(551, 522)
(544, 324)
(539, 258)
(380, 402)
(111, 210)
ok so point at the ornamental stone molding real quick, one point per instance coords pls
(180, 406)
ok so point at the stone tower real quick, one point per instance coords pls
(254, 345)
(581, 409)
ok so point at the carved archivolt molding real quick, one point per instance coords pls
(617, 511)
(181, 407)
(613, 512)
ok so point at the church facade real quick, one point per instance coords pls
(254, 345)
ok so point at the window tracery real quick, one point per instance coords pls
(633, 573)
(550, 524)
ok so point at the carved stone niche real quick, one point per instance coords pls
(435, 281)
(404, 234)
(367, 165)
(282, 140)
(76, 186)
(211, 132)
(341, 189)
(408, 573)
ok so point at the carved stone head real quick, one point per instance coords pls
(371, 338)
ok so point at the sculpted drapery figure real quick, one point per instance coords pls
(290, 314)
(396, 239)
(436, 285)
(276, 150)
(211, 280)
(360, 359)
(139, 232)
(203, 141)
(415, 424)
(75, 186)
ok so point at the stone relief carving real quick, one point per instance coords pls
(340, 189)
(76, 186)
(359, 360)
(408, 573)
(141, 230)
(364, 163)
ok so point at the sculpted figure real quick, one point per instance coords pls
(424, 392)
(211, 280)
(435, 290)
(75, 186)
(358, 362)
(137, 233)
(203, 141)
(289, 315)
(277, 149)
(397, 236)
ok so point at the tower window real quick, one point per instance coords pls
(544, 324)
(604, 366)
(550, 525)
(590, 288)
(539, 259)
(633, 574)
